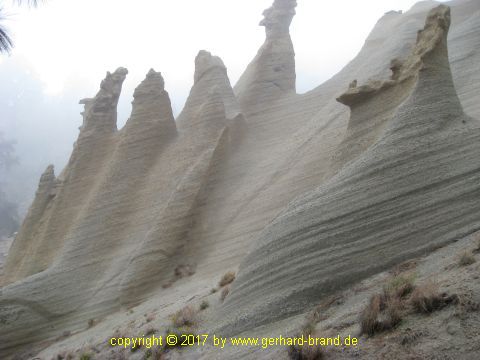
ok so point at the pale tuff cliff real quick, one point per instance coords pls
(414, 187)
(299, 194)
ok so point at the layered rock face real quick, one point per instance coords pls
(415, 187)
(299, 194)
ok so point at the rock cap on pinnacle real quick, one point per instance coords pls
(278, 17)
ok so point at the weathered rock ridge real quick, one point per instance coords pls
(304, 194)
(387, 206)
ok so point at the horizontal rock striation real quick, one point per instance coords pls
(416, 187)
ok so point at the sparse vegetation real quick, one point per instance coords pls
(400, 296)
(186, 316)
(224, 294)
(227, 278)
(400, 286)
(427, 299)
(380, 315)
(85, 356)
(91, 322)
(204, 305)
(466, 259)
(385, 311)
(213, 291)
(306, 352)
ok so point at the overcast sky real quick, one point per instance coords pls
(74, 42)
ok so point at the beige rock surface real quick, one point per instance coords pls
(304, 198)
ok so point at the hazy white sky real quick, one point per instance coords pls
(74, 42)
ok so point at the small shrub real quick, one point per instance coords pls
(381, 314)
(426, 299)
(394, 316)
(466, 259)
(185, 317)
(204, 305)
(213, 291)
(85, 356)
(399, 286)
(224, 294)
(369, 317)
(227, 278)
(91, 323)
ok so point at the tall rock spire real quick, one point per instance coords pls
(151, 109)
(101, 112)
(210, 72)
(278, 17)
(271, 74)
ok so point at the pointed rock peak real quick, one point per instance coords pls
(101, 111)
(210, 72)
(151, 108)
(278, 17)
(110, 89)
(48, 174)
(47, 180)
(152, 85)
(430, 50)
(205, 61)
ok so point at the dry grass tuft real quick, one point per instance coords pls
(224, 294)
(466, 259)
(381, 314)
(227, 278)
(385, 311)
(85, 356)
(399, 286)
(427, 299)
(204, 305)
(185, 317)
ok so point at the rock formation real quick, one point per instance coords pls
(304, 194)
(272, 73)
(414, 187)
